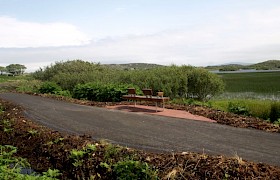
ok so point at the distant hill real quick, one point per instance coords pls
(133, 66)
(227, 67)
(266, 65)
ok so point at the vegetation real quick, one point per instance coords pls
(49, 87)
(100, 92)
(265, 109)
(68, 74)
(274, 115)
(203, 85)
(267, 65)
(13, 167)
(258, 82)
(15, 69)
(250, 94)
(4, 78)
(2, 70)
(29, 86)
(172, 80)
(96, 82)
(76, 157)
(133, 66)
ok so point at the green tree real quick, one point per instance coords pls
(203, 84)
(172, 80)
(70, 73)
(2, 69)
(16, 69)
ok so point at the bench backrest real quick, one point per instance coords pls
(131, 91)
(147, 92)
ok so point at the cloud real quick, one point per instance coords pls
(19, 34)
(251, 36)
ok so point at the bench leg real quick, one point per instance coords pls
(156, 106)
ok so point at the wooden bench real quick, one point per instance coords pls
(148, 96)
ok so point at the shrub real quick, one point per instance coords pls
(274, 112)
(131, 169)
(258, 108)
(173, 80)
(203, 84)
(101, 92)
(70, 73)
(238, 108)
(65, 93)
(12, 167)
(49, 87)
(31, 86)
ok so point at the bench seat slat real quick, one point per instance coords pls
(145, 98)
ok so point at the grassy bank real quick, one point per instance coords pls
(253, 107)
(255, 93)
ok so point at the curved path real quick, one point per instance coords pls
(154, 133)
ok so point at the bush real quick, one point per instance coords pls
(65, 93)
(71, 73)
(31, 86)
(131, 169)
(274, 112)
(7, 160)
(101, 92)
(203, 85)
(174, 81)
(49, 87)
(238, 108)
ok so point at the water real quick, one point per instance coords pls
(249, 95)
(243, 71)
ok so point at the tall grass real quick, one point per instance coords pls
(257, 82)
(5, 78)
(249, 95)
(254, 107)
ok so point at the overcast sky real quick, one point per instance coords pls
(36, 33)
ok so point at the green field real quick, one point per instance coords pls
(253, 92)
(257, 82)
(5, 78)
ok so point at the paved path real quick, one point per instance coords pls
(154, 133)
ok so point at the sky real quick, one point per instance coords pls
(38, 33)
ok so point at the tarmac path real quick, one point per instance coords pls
(150, 132)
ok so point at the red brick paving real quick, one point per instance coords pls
(140, 109)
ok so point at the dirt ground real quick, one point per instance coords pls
(50, 149)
